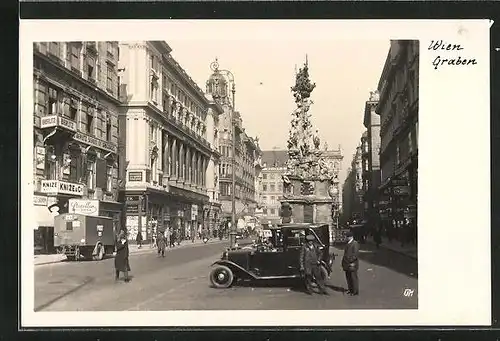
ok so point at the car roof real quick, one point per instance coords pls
(300, 225)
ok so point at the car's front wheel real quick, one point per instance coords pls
(221, 277)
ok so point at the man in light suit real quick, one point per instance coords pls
(350, 264)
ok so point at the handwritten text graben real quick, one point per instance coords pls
(440, 45)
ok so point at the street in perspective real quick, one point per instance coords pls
(153, 194)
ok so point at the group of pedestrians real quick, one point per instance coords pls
(310, 265)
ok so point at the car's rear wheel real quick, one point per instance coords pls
(221, 277)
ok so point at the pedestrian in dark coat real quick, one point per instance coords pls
(161, 243)
(350, 264)
(138, 239)
(310, 265)
(121, 257)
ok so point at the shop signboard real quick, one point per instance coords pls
(61, 187)
(40, 200)
(85, 207)
(57, 121)
(135, 176)
(93, 141)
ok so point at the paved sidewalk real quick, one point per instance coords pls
(408, 250)
(133, 249)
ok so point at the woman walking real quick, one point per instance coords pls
(121, 257)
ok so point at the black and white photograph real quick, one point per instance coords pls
(247, 167)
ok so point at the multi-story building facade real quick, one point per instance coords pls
(352, 190)
(271, 187)
(170, 144)
(371, 148)
(75, 132)
(398, 110)
(247, 153)
(274, 167)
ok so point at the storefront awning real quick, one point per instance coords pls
(42, 217)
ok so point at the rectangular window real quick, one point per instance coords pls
(108, 129)
(73, 167)
(264, 211)
(264, 187)
(91, 174)
(109, 78)
(110, 49)
(272, 199)
(264, 198)
(73, 111)
(273, 211)
(264, 176)
(53, 102)
(75, 49)
(109, 178)
(273, 189)
(90, 123)
(55, 49)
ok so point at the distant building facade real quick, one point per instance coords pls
(352, 191)
(247, 154)
(398, 110)
(76, 131)
(371, 159)
(170, 145)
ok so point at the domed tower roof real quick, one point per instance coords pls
(217, 83)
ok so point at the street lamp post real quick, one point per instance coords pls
(229, 75)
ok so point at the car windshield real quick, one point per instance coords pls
(295, 237)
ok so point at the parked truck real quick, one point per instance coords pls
(81, 236)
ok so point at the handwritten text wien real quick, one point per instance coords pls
(439, 45)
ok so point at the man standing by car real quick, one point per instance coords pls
(350, 264)
(310, 266)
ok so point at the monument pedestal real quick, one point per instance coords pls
(309, 201)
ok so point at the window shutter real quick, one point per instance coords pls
(101, 173)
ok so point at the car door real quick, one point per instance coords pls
(294, 241)
(268, 263)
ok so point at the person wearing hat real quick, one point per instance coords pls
(310, 257)
(350, 264)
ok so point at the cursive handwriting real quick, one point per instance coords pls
(458, 60)
(441, 45)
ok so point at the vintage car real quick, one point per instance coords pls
(276, 258)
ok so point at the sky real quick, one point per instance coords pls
(345, 71)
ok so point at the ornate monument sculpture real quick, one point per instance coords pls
(309, 181)
(305, 154)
